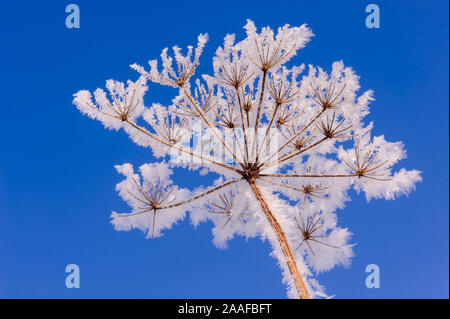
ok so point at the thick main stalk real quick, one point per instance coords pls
(292, 264)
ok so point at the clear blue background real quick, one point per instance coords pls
(56, 166)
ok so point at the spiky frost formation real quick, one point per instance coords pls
(299, 136)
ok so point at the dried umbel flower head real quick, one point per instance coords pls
(227, 116)
(121, 103)
(185, 65)
(316, 191)
(329, 97)
(151, 196)
(282, 91)
(367, 165)
(309, 227)
(206, 102)
(299, 140)
(279, 141)
(235, 75)
(224, 205)
(330, 129)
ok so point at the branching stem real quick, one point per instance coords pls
(258, 113)
(211, 126)
(146, 132)
(187, 201)
(296, 135)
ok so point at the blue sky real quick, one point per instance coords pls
(56, 166)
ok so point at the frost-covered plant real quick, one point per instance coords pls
(286, 149)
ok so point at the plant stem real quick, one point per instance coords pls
(292, 264)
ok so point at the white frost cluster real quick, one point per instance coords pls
(139, 191)
(323, 148)
(110, 108)
(185, 65)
